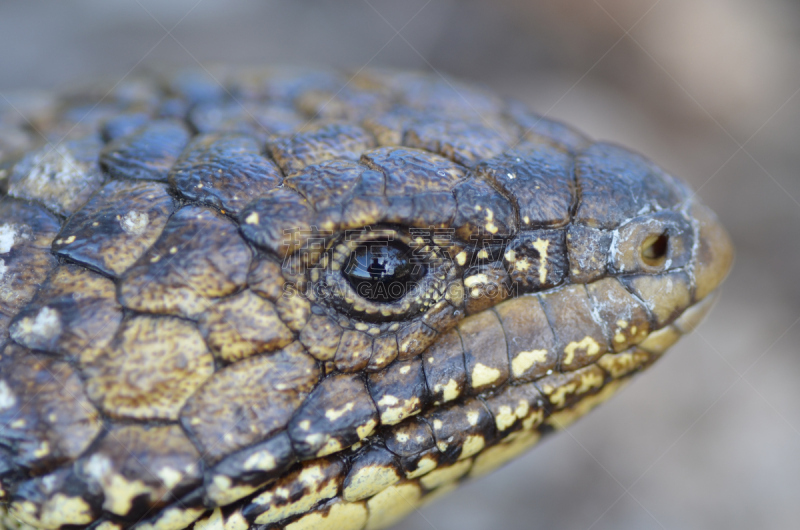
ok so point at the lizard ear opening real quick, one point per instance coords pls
(655, 249)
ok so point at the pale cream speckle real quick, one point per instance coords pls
(445, 474)
(63, 510)
(261, 460)
(365, 430)
(173, 518)
(169, 476)
(450, 390)
(70, 239)
(472, 417)
(7, 398)
(526, 359)
(404, 370)
(368, 481)
(134, 223)
(47, 323)
(587, 343)
(388, 401)
(472, 445)
(541, 246)
(335, 414)
(425, 465)
(252, 219)
(392, 504)
(437, 425)
(331, 446)
(476, 279)
(461, 258)
(522, 265)
(341, 516)
(484, 375)
(8, 236)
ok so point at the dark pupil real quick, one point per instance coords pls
(383, 271)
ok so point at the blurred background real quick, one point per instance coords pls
(710, 437)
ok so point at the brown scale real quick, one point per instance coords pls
(580, 340)
(318, 143)
(281, 221)
(26, 232)
(198, 258)
(617, 185)
(61, 177)
(536, 260)
(588, 253)
(354, 351)
(486, 286)
(461, 430)
(411, 171)
(251, 399)
(74, 314)
(532, 348)
(539, 180)
(245, 471)
(261, 120)
(141, 468)
(58, 498)
(243, 325)
(399, 391)
(463, 142)
(344, 104)
(113, 229)
(147, 153)
(665, 295)
(482, 212)
(625, 317)
(485, 352)
(297, 492)
(226, 171)
(338, 413)
(445, 373)
(150, 369)
(122, 125)
(537, 128)
(47, 418)
(332, 183)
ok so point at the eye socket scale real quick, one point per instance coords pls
(382, 275)
(383, 271)
(655, 249)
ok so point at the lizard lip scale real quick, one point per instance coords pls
(309, 299)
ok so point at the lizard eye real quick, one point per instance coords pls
(381, 275)
(383, 271)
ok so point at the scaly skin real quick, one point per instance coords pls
(306, 300)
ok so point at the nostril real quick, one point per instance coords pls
(654, 249)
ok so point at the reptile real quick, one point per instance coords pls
(289, 298)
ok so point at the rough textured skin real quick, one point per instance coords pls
(188, 337)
